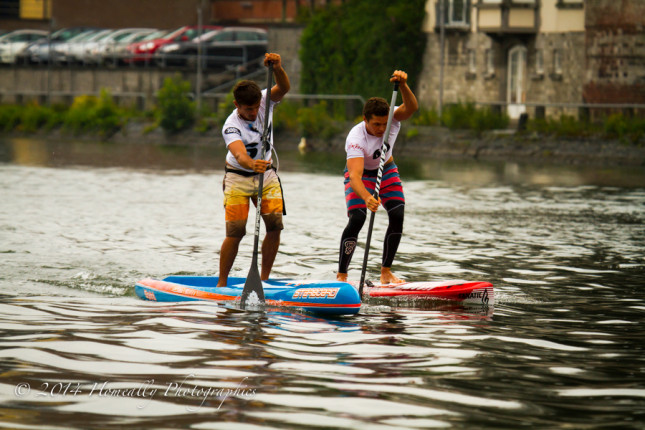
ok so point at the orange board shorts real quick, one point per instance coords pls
(239, 189)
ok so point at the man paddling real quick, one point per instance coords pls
(363, 147)
(242, 134)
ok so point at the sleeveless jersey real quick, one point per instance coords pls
(249, 132)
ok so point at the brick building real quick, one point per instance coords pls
(543, 57)
(16, 14)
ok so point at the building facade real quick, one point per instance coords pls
(544, 57)
(16, 14)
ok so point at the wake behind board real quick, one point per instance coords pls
(466, 292)
(321, 297)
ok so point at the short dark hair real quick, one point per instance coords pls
(247, 93)
(376, 106)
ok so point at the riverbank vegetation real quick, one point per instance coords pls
(175, 112)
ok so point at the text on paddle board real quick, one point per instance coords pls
(315, 293)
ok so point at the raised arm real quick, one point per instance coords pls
(410, 104)
(282, 84)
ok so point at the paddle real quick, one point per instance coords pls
(377, 187)
(253, 282)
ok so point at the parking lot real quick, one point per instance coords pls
(211, 47)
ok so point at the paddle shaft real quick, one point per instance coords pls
(253, 280)
(377, 187)
(265, 142)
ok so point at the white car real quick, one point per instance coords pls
(98, 50)
(12, 44)
(64, 52)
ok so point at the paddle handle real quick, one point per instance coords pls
(264, 143)
(377, 187)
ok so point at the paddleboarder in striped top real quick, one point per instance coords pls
(242, 132)
(363, 146)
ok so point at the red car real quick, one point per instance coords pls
(143, 52)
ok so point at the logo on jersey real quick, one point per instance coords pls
(233, 130)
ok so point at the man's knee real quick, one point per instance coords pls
(236, 228)
(357, 217)
(273, 222)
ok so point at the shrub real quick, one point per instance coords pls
(79, 115)
(10, 116)
(467, 116)
(175, 109)
(625, 129)
(425, 117)
(564, 126)
(34, 117)
(107, 117)
(316, 121)
(94, 114)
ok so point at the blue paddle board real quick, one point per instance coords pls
(321, 297)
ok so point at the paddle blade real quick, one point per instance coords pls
(253, 292)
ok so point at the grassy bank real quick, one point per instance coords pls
(324, 124)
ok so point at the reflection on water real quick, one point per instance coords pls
(71, 152)
(561, 349)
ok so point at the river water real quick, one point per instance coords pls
(81, 222)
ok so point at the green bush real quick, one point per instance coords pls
(468, 116)
(10, 116)
(626, 129)
(564, 126)
(285, 117)
(458, 116)
(353, 48)
(308, 121)
(79, 116)
(175, 110)
(425, 117)
(32, 118)
(107, 116)
(91, 114)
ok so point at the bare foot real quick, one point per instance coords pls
(341, 277)
(387, 277)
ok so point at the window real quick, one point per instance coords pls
(539, 62)
(472, 61)
(456, 12)
(557, 61)
(223, 36)
(570, 4)
(490, 63)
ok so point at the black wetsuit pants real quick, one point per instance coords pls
(357, 217)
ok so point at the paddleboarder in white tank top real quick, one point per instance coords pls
(363, 146)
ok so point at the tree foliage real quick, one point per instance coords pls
(354, 47)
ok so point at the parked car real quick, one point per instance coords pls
(113, 53)
(227, 46)
(117, 53)
(95, 50)
(11, 44)
(77, 53)
(143, 52)
(39, 51)
(63, 52)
